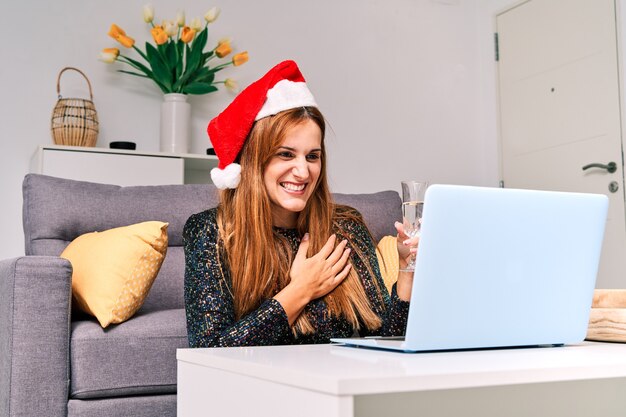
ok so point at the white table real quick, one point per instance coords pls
(329, 380)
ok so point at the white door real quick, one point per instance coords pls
(560, 108)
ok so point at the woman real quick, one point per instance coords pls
(277, 262)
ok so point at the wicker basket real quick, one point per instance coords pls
(74, 120)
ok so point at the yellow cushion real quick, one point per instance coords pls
(113, 270)
(388, 260)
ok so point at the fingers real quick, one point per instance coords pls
(327, 249)
(337, 252)
(322, 272)
(341, 262)
(335, 280)
(403, 238)
(342, 275)
(400, 229)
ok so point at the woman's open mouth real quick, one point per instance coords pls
(293, 187)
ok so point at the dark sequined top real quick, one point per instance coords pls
(209, 303)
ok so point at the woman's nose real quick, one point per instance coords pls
(301, 168)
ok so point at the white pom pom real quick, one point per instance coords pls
(226, 178)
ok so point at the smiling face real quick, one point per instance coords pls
(292, 172)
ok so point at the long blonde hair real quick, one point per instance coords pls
(260, 258)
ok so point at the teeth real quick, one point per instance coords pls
(292, 187)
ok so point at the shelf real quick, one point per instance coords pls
(131, 167)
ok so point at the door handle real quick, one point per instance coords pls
(611, 167)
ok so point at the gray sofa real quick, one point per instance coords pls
(58, 362)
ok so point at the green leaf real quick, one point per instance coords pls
(148, 77)
(207, 55)
(200, 41)
(186, 77)
(160, 69)
(202, 74)
(138, 65)
(197, 74)
(133, 73)
(180, 50)
(208, 78)
(181, 81)
(171, 59)
(171, 55)
(140, 52)
(195, 56)
(199, 88)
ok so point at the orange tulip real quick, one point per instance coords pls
(116, 31)
(119, 35)
(126, 41)
(223, 49)
(159, 35)
(240, 59)
(187, 34)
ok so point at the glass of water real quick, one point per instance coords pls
(412, 205)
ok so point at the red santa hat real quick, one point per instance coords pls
(282, 88)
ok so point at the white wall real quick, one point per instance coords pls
(406, 85)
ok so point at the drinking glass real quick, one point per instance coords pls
(412, 205)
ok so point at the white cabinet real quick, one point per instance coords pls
(122, 167)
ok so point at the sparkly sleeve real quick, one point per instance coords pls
(209, 303)
(392, 310)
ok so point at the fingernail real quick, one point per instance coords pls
(305, 237)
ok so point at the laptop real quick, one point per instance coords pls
(501, 268)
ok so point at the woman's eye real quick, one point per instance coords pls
(285, 154)
(313, 157)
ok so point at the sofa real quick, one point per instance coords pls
(56, 361)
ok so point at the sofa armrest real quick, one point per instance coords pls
(35, 297)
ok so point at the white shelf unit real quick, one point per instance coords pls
(122, 167)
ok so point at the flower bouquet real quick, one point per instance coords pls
(178, 62)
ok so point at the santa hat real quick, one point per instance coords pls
(282, 88)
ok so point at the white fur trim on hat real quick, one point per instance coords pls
(228, 177)
(286, 95)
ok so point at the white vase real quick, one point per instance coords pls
(175, 120)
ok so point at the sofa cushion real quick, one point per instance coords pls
(380, 210)
(133, 358)
(57, 210)
(113, 270)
